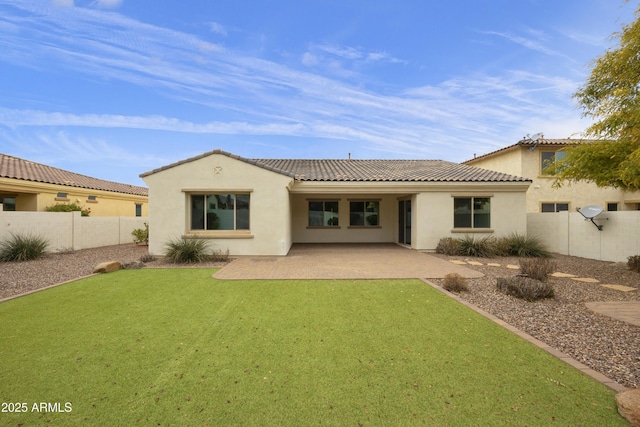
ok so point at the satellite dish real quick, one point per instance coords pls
(590, 212)
(536, 136)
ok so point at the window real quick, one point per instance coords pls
(62, 197)
(612, 207)
(554, 207)
(323, 213)
(91, 198)
(219, 211)
(547, 158)
(138, 209)
(472, 212)
(364, 213)
(8, 204)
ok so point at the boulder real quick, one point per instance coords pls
(629, 405)
(107, 267)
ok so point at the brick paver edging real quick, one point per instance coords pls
(46, 287)
(570, 361)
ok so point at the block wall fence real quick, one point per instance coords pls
(70, 230)
(568, 233)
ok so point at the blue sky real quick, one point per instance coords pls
(114, 88)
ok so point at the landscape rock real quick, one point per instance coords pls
(107, 267)
(629, 405)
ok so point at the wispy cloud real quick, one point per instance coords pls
(533, 42)
(218, 28)
(107, 4)
(271, 98)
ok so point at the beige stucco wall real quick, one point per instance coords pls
(568, 233)
(386, 232)
(36, 196)
(521, 161)
(270, 212)
(508, 161)
(70, 230)
(433, 212)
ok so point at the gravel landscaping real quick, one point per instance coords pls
(609, 346)
(606, 345)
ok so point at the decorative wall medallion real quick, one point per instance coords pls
(217, 170)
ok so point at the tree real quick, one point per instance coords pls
(611, 96)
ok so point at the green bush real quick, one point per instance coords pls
(68, 207)
(141, 235)
(525, 288)
(448, 246)
(476, 247)
(453, 282)
(526, 246)
(22, 247)
(537, 268)
(634, 263)
(186, 250)
(487, 247)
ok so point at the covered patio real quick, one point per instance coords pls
(343, 261)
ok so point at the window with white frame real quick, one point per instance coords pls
(219, 211)
(323, 213)
(554, 207)
(472, 212)
(364, 213)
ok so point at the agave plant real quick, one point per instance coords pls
(18, 247)
(185, 250)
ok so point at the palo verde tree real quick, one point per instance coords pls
(610, 96)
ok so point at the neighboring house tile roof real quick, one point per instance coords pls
(25, 170)
(342, 170)
(542, 142)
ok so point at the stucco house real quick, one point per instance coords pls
(31, 186)
(263, 206)
(530, 158)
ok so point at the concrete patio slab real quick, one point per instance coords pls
(344, 261)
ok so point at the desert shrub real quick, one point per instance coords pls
(453, 282)
(537, 268)
(634, 263)
(68, 207)
(448, 246)
(187, 250)
(476, 247)
(526, 246)
(501, 246)
(141, 235)
(147, 258)
(525, 288)
(18, 247)
(220, 256)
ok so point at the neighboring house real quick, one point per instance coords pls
(263, 206)
(529, 159)
(30, 186)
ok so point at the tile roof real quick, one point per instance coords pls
(558, 143)
(343, 170)
(25, 170)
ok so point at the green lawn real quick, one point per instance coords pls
(176, 347)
